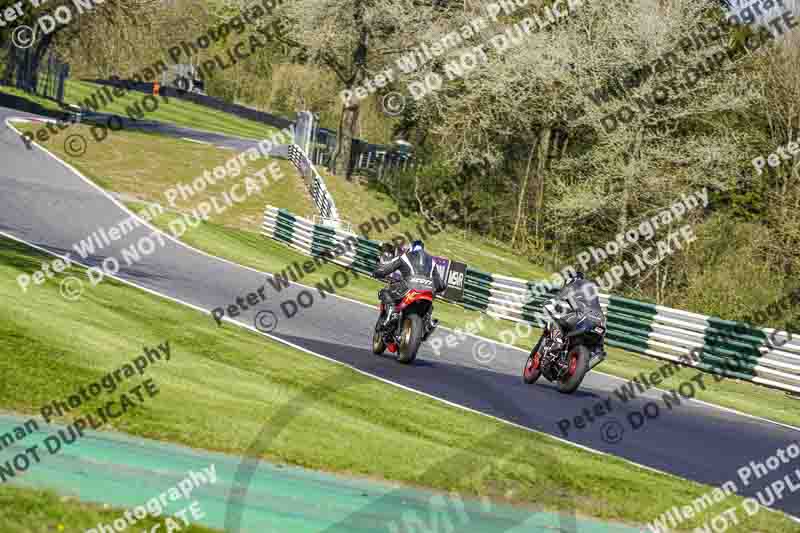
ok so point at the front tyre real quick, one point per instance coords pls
(378, 346)
(533, 366)
(410, 338)
(578, 361)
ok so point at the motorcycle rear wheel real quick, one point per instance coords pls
(578, 359)
(410, 338)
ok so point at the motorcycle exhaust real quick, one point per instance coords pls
(432, 327)
(597, 359)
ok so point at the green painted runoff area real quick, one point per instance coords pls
(125, 472)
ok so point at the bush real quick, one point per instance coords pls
(727, 274)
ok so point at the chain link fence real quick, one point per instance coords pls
(374, 161)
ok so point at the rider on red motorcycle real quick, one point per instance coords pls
(414, 263)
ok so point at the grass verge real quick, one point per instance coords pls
(174, 111)
(364, 205)
(25, 510)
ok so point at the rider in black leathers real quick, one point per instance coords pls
(394, 284)
(582, 294)
(413, 263)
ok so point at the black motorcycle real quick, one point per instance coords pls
(565, 356)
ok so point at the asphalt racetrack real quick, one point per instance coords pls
(44, 203)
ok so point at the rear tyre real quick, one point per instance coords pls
(533, 366)
(410, 338)
(578, 360)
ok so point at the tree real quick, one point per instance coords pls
(355, 40)
(81, 26)
(596, 168)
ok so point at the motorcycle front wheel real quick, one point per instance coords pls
(578, 361)
(410, 338)
(533, 366)
(378, 346)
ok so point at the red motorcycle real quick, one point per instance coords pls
(411, 325)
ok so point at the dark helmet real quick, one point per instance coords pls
(573, 277)
(388, 252)
(417, 245)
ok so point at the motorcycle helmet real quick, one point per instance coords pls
(573, 277)
(417, 246)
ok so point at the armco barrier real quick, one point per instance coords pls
(316, 186)
(727, 348)
(315, 240)
(200, 99)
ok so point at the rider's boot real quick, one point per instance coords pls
(431, 325)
